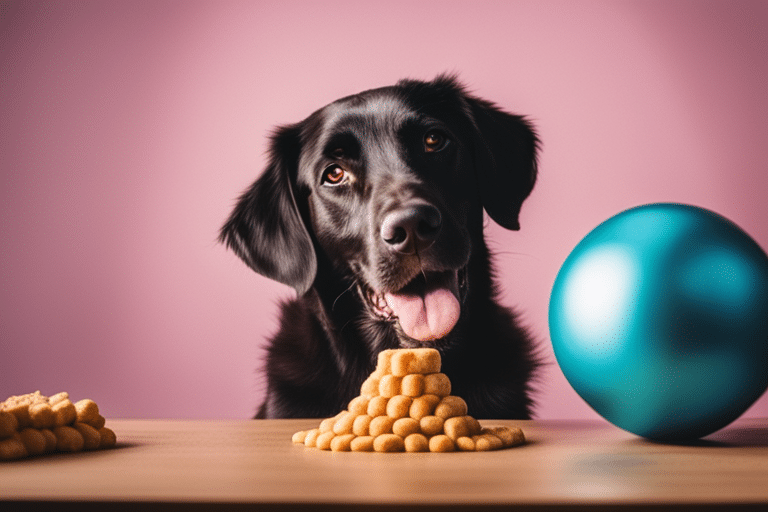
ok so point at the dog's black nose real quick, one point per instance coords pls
(412, 228)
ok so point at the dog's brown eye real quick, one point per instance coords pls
(334, 175)
(434, 141)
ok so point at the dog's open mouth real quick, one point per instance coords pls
(427, 308)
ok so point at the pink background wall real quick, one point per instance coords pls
(127, 129)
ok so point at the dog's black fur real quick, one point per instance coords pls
(377, 193)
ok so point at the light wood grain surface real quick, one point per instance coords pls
(233, 463)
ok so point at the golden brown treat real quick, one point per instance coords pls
(342, 443)
(388, 443)
(343, 425)
(417, 360)
(431, 425)
(358, 405)
(485, 442)
(41, 424)
(8, 424)
(65, 412)
(399, 406)
(87, 411)
(362, 444)
(12, 448)
(91, 436)
(370, 387)
(323, 441)
(34, 441)
(50, 439)
(450, 407)
(465, 444)
(389, 385)
(412, 385)
(41, 415)
(441, 443)
(416, 443)
(377, 406)
(311, 440)
(405, 427)
(406, 405)
(361, 425)
(381, 425)
(68, 439)
(437, 384)
(424, 405)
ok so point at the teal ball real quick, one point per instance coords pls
(659, 321)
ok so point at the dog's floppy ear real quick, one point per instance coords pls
(506, 149)
(266, 229)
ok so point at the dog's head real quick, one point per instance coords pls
(388, 187)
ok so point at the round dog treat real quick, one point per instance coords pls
(299, 437)
(65, 412)
(510, 436)
(451, 406)
(86, 410)
(431, 425)
(324, 440)
(384, 361)
(486, 442)
(310, 441)
(108, 438)
(388, 443)
(465, 444)
(423, 405)
(8, 424)
(416, 443)
(399, 406)
(343, 425)
(41, 415)
(370, 387)
(456, 427)
(91, 436)
(474, 426)
(342, 443)
(50, 439)
(412, 385)
(327, 424)
(98, 423)
(405, 427)
(19, 407)
(441, 443)
(12, 448)
(361, 425)
(362, 444)
(381, 425)
(389, 386)
(68, 439)
(417, 360)
(437, 384)
(34, 441)
(377, 406)
(358, 405)
(58, 397)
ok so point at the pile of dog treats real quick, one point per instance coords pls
(406, 406)
(34, 424)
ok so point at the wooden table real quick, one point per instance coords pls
(238, 464)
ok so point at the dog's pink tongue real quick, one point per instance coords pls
(426, 318)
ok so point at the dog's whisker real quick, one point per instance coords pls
(333, 306)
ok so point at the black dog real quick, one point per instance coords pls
(372, 209)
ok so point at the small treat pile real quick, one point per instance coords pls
(34, 424)
(406, 405)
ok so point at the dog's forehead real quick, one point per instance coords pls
(372, 113)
